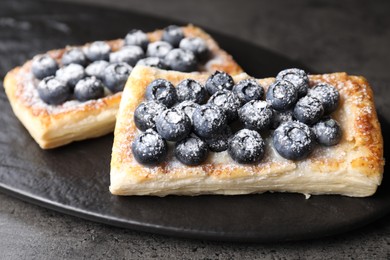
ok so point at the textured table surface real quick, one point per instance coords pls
(328, 36)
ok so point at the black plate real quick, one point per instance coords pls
(75, 179)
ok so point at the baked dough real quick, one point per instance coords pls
(354, 167)
(53, 126)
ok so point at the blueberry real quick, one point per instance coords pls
(181, 60)
(89, 88)
(149, 148)
(282, 95)
(115, 76)
(138, 38)
(71, 74)
(187, 107)
(293, 140)
(44, 66)
(209, 120)
(53, 91)
(220, 142)
(327, 132)
(308, 110)
(146, 113)
(219, 81)
(173, 34)
(74, 55)
(328, 95)
(97, 68)
(190, 89)
(248, 89)
(246, 146)
(173, 124)
(228, 101)
(129, 54)
(298, 78)
(280, 117)
(162, 91)
(154, 62)
(98, 50)
(256, 115)
(191, 151)
(197, 46)
(158, 49)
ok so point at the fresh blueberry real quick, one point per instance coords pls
(219, 81)
(44, 66)
(246, 146)
(308, 110)
(173, 124)
(293, 140)
(256, 115)
(219, 143)
(173, 34)
(89, 88)
(98, 50)
(248, 89)
(146, 113)
(162, 91)
(190, 89)
(181, 60)
(187, 107)
(53, 91)
(228, 101)
(327, 132)
(153, 62)
(209, 120)
(149, 148)
(138, 38)
(191, 151)
(158, 49)
(74, 55)
(115, 76)
(280, 117)
(298, 78)
(196, 45)
(282, 95)
(71, 74)
(97, 68)
(328, 95)
(129, 54)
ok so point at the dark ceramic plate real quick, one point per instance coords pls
(74, 179)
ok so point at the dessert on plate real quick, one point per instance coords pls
(73, 93)
(190, 134)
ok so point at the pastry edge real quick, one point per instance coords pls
(53, 131)
(353, 184)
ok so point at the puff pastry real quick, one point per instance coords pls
(354, 167)
(53, 126)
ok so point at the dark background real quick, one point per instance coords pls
(327, 36)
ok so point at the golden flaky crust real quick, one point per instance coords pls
(354, 167)
(56, 126)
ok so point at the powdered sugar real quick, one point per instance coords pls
(174, 117)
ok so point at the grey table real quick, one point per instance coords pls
(352, 36)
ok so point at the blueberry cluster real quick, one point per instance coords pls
(301, 114)
(201, 118)
(85, 73)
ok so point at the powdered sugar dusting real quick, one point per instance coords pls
(174, 117)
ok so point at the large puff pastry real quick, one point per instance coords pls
(53, 126)
(354, 167)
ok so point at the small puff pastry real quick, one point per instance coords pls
(53, 126)
(354, 167)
